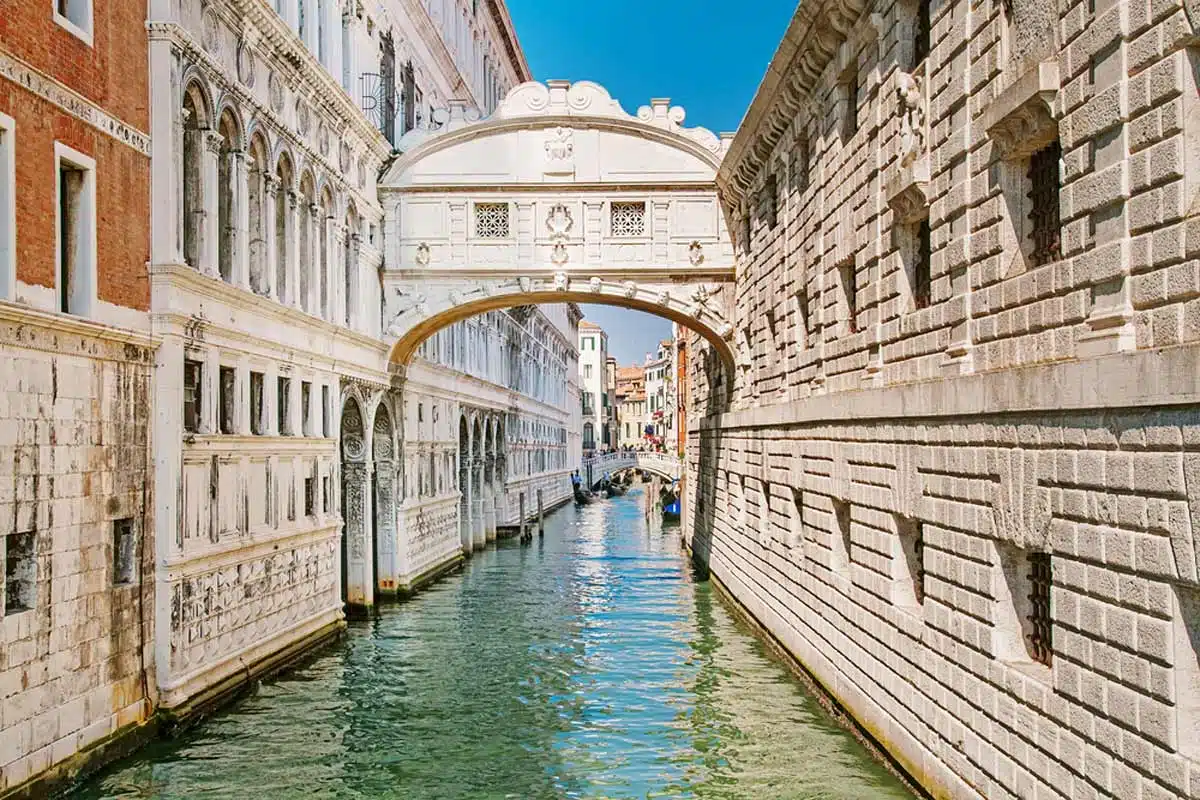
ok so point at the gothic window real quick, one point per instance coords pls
(193, 395)
(491, 220)
(304, 212)
(258, 221)
(1044, 210)
(226, 223)
(324, 224)
(285, 200)
(628, 219)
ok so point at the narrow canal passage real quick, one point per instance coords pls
(590, 665)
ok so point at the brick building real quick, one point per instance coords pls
(956, 472)
(76, 620)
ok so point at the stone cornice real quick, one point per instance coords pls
(812, 39)
(699, 187)
(73, 103)
(185, 278)
(1139, 380)
(66, 324)
(504, 22)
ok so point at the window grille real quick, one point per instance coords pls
(1041, 633)
(1043, 213)
(850, 120)
(124, 553)
(628, 219)
(491, 220)
(922, 277)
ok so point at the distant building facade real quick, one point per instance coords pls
(593, 385)
(631, 406)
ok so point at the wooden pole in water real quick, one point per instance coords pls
(522, 518)
(541, 516)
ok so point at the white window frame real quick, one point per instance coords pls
(83, 297)
(83, 32)
(8, 208)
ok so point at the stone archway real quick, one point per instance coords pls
(489, 480)
(558, 196)
(383, 482)
(357, 578)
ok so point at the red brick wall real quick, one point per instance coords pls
(28, 32)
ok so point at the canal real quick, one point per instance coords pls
(591, 664)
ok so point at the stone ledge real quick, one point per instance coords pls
(1021, 119)
(58, 325)
(1146, 378)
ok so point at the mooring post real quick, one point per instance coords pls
(522, 518)
(541, 516)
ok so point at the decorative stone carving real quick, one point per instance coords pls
(561, 282)
(630, 289)
(323, 139)
(559, 221)
(303, 117)
(423, 254)
(595, 284)
(911, 109)
(344, 157)
(560, 144)
(1021, 119)
(525, 283)
(275, 91)
(210, 31)
(696, 253)
(245, 64)
(559, 254)
(664, 298)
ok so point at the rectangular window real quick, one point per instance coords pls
(125, 562)
(922, 270)
(75, 16)
(257, 420)
(921, 28)
(769, 201)
(20, 572)
(306, 421)
(228, 400)
(325, 496)
(1044, 210)
(193, 395)
(800, 165)
(1023, 623)
(491, 220)
(76, 230)
(1041, 637)
(627, 219)
(587, 370)
(284, 404)
(8, 211)
(801, 320)
(850, 112)
(310, 497)
(849, 280)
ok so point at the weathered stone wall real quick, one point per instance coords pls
(76, 618)
(873, 481)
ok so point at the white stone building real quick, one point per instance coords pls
(279, 413)
(593, 361)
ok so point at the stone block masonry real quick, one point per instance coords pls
(957, 470)
(76, 616)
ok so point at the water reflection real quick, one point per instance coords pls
(591, 665)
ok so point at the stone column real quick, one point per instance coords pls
(270, 198)
(295, 412)
(337, 277)
(478, 531)
(464, 506)
(355, 283)
(270, 399)
(210, 233)
(166, 172)
(314, 259)
(385, 526)
(359, 569)
(293, 250)
(240, 178)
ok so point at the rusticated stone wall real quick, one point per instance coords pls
(885, 471)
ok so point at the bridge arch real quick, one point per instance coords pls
(559, 196)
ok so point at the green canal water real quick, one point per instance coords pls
(592, 664)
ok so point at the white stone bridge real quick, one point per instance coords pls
(666, 466)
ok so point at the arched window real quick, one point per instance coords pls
(325, 223)
(196, 121)
(283, 244)
(306, 203)
(258, 221)
(350, 269)
(226, 216)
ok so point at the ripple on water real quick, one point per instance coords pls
(591, 665)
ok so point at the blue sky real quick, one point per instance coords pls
(702, 54)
